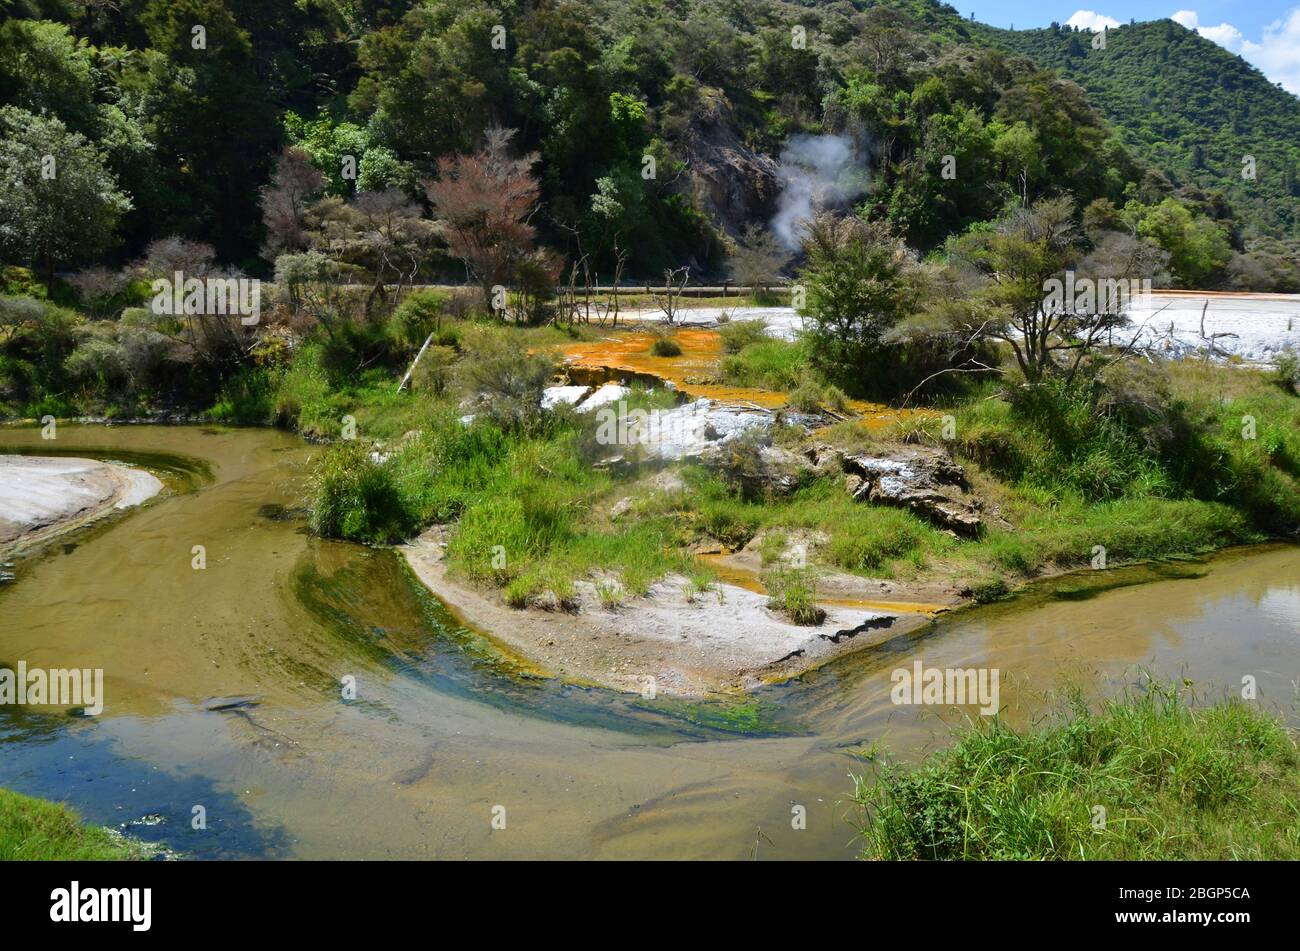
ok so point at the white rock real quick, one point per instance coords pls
(1264, 324)
(609, 393)
(554, 396)
(684, 432)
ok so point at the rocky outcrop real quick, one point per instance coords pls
(924, 480)
(692, 431)
(736, 184)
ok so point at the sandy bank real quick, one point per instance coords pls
(722, 640)
(42, 496)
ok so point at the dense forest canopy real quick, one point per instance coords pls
(660, 128)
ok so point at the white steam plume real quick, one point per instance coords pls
(817, 173)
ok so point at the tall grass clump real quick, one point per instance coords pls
(305, 396)
(793, 592)
(246, 397)
(357, 498)
(1175, 781)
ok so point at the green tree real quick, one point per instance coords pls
(1017, 292)
(1012, 264)
(213, 122)
(44, 68)
(858, 279)
(433, 83)
(1198, 247)
(60, 203)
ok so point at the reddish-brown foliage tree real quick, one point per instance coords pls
(286, 199)
(483, 203)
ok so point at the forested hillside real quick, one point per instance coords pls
(1188, 107)
(663, 131)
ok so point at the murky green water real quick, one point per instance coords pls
(443, 731)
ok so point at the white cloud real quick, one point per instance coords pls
(1225, 34)
(1276, 55)
(1090, 20)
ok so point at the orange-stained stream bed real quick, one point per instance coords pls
(627, 357)
(744, 578)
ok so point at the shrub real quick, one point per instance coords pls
(433, 374)
(835, 398)
(98, 358)
(740, 463)
(738, 334)
(505, 381)
(805, 398)
(860, 281)
(420, 314)
(295, 274)
(665, 347)
(21, 282)
(1286, 370)
(17, 313)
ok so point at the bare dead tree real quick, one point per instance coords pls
(579, 298)
(675, 282)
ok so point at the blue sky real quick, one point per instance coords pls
(1265, 32)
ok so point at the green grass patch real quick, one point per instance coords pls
(1176, 782)
(40, 831)
(766, 364)
(524, 504)
(738, 334)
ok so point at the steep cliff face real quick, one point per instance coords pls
(731, 182)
